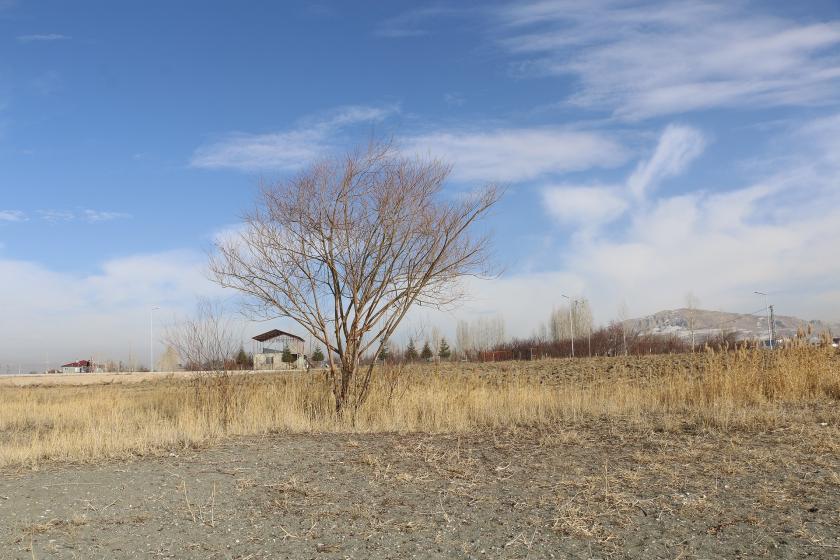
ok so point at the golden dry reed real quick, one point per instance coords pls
(719, 391)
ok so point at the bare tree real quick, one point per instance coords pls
(541, 333)
(207, 344)
(349, 246)
(463, 338)
(206, 341)
(623, 317)
(583, 322)
(564, 321)
(480, 335)
(691, 303)
(169, 360)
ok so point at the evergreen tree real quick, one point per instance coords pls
(385, 353)
(242, 358)
(426, 352)
(410, 351)
(288, 357)
(317, 355)
(444, 352)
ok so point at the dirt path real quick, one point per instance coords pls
(585, 493)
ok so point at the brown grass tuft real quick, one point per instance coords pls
(742, 389)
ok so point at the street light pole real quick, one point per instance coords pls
(151, 338)
(571, 322)
(769, 319)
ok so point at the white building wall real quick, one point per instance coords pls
(273, 361)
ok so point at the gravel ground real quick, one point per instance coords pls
(599, 491)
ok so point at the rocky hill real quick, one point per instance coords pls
(708, 323)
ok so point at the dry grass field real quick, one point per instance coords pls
(713, 455)
(717, 391)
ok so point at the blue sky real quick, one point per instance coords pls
(649, 149)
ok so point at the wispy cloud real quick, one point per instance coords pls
(413, 23)
(678, 146)
(84, 215)
(42, 37)
(290, 149)
(454, 99)
(641, 59)
(590, 206)
(56, 215)
(12, 216)
(94, 216)
(585, 206)
(518, 154)
(772, 231)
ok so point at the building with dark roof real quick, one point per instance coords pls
(272, 344)
(82, 366)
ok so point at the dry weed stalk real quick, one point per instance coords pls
(743, 389)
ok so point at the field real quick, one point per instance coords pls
(713, 455)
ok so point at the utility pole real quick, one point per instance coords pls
(571, 321)
(772, 327)
(769, 308)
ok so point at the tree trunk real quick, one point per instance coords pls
(342, 388)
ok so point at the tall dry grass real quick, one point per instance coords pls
(721, 391)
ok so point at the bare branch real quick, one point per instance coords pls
(349, 246)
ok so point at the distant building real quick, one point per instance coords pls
(271, 347)
(82, 366)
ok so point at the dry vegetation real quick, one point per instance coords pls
(713, 455)
(715, 391)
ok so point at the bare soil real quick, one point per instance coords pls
(595, 490)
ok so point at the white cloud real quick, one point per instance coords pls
(522, 300)
(642, 59)
(585, 206)
(822, 133)
(43, 37)
(593, 206)
(518, 154)
(229, 233)
(56, 215)
(678, 146)
(413, 23)
(100, 313)
(12, 216)
(250, 152)
(94, 216)
(694, 243)
(454, 99)
(774, 234)
(777, 234)
(86, 215)
(718, 245)
(290, 149)
(104, 312)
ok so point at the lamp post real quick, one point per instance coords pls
(151, 337)
(572, 302)
(769, 320)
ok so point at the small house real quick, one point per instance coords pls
(82, 366)
(274, 346)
